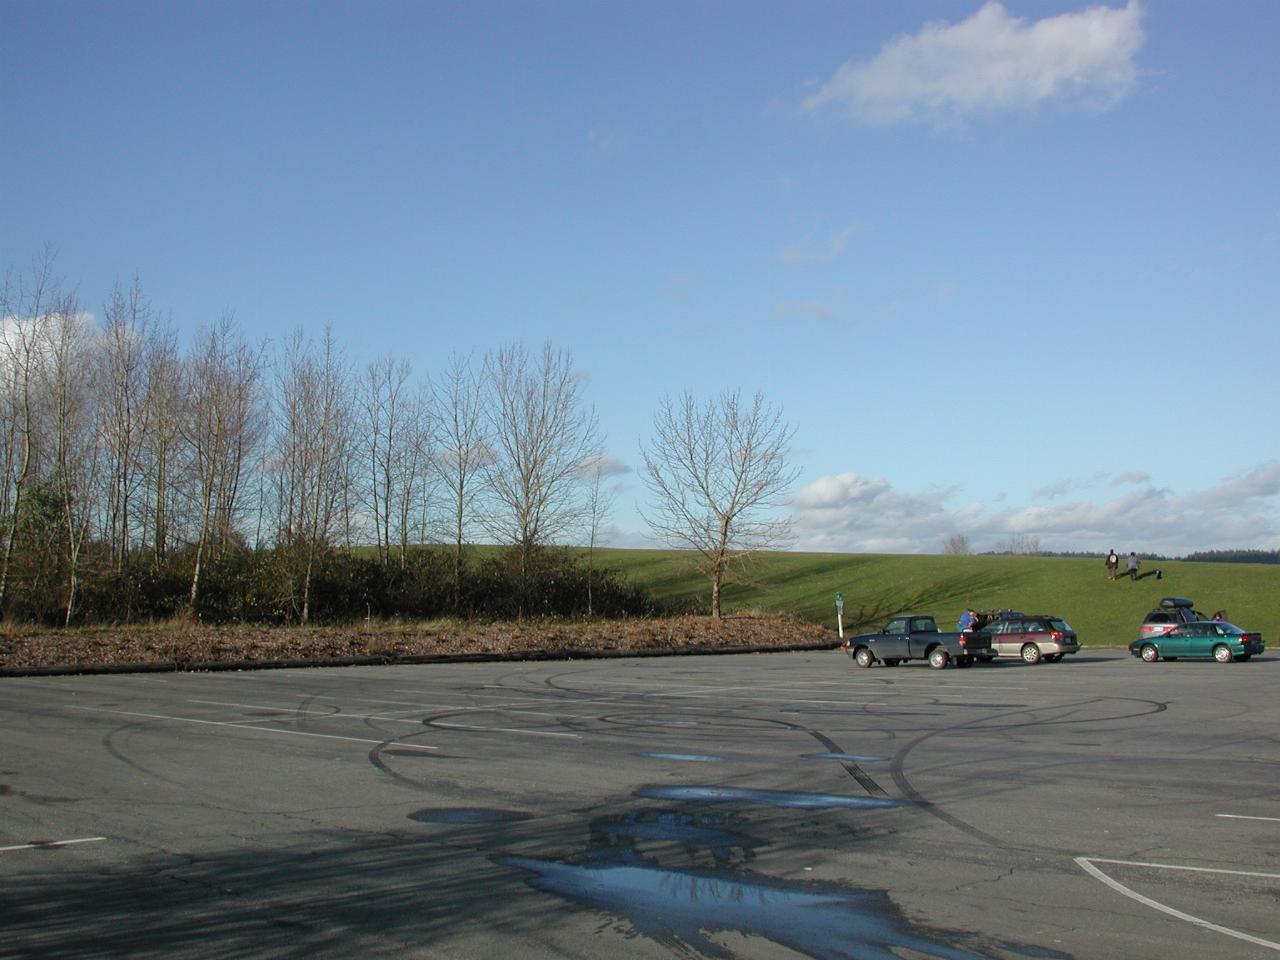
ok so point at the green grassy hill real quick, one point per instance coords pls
(1103, 613)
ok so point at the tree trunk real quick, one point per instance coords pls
(73, 585)
(457, 561)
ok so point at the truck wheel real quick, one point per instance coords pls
(863, 657)
(938, 658)
(1030, 653)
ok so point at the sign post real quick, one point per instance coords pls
(840, 614)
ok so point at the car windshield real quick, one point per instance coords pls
(1060, 625)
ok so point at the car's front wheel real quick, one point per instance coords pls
(1222, 653)
(938, 658)
(1149, 653)
(1030, 653)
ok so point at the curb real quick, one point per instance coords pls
(391, 660)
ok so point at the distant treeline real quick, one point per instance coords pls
(1200, 556)
(1234, 556)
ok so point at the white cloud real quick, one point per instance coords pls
(1132, 476)
(1060, 488)
(831, 249)
(992, 62)
(851, 513)
(812, 309)
(605, 143)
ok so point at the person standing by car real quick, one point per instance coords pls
(967, 620)
(1131, 565)
(1113, 564)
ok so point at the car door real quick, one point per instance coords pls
(1201, 639)
(1015, 635)
(1178, 642)
(892, 643)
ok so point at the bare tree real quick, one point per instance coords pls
(27, 305)
(313, 449)
(541, 433)
(716, 470)
(222, 428)
(125, 416)
(66, 374)
(957, 545)
(461, 447)
(600, 501)
(395, 434)
(160, 444)
(416, 457)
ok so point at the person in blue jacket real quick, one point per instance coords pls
(967, 620)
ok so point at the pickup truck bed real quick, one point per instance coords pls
(918, 638)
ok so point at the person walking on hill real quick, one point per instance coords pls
(1113, 564)
(1131, 565)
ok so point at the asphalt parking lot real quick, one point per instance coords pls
(753, 806)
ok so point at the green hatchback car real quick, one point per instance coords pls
(1223, 642)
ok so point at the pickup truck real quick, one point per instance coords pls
(918, 638)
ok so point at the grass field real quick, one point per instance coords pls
(803, 585)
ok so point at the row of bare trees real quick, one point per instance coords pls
(111, 435)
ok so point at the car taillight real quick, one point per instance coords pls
(1056, 636)
(963, 641)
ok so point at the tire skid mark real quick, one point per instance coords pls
(904, 784)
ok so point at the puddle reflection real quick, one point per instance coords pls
(768, 798)
(679, 908)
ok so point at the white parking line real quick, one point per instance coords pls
(1241, 816)
(244, 725)
(306, 716)
(1173, 866)
(1086, 864)
(50, 843)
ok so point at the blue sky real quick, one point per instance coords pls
(1010, 270)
